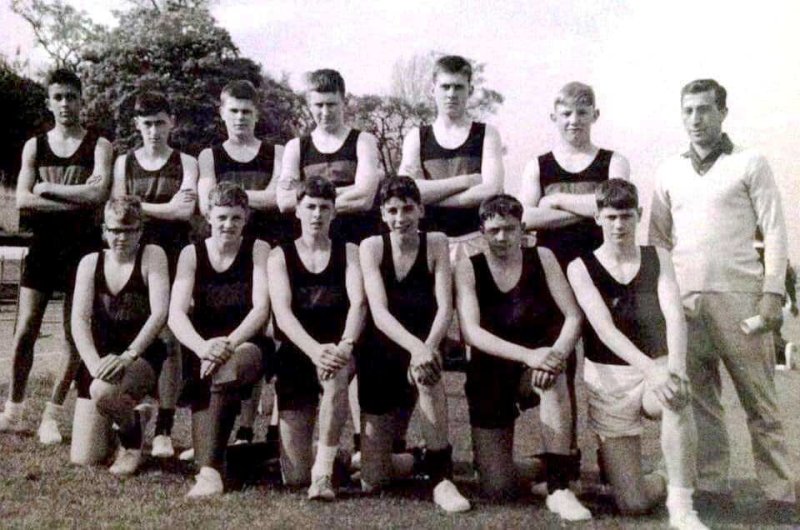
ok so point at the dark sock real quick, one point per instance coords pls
(557, 471)
(356, 442)
(132, 438)
(602, 465)
(245, 433)
(272, 433)
(438, 465)
(164, 421)
(399, 446)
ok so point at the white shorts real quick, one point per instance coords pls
(615, 394)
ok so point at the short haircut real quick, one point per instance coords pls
(452, 64)
(503, 205)
(698, 86)
(150, 103)
(317, 188)
(240, 89)
(616, 193)
(575, 93)
(400, 187)
(229, 194)
(125, 209)
(325, 80)
(62, 76)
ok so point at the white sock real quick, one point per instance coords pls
(323, 463)
(679, 499)
(52, 411)
(14, 410)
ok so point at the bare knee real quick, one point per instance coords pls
(104, 394)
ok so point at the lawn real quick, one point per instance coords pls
(40, 489)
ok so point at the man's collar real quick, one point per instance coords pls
(702, 165)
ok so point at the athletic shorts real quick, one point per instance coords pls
(497, 391)
(614, 394)
(154, 355)
(197, 390)
(297, 385)
(466, 246)
(383, 384)
(51, 266)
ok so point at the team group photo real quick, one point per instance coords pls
(232, 297)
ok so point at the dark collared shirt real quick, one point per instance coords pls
(702, 165)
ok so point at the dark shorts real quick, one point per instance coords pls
(196, 391)
(51, 265)
(297, 385)
(383, 385)
(154, 355)
(497, 390)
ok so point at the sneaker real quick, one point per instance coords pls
(208, 482)
(186, 455)
(686, 521)
(567, 506)
(321, 489)
(790, 353)
(126, 462)
(162, 447)
(448, 498)
(355, 461)
(48, 430)
(11, 417)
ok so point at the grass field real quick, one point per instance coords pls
(39, 489)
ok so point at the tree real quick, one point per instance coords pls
(61, 30)
(410, 105)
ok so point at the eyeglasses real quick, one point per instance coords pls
(116, 231)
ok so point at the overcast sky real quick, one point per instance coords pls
(636, 54)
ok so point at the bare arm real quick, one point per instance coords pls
(669, 300)
(94, 191)
(359, 196)
(256, 318)
(154, 268)
(81, 317)
(182, 205)
(469, 316)
(181, 301)
(26, 199)
(565, 300)
(354, 285)
(443, 289)
(585, 204)
(535, 215)
(286, 193)
(598, 315)
(491, 177)
(207, 178)
(432, 191)
(267, 199)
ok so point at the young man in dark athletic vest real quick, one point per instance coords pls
(218, 311)
(635, 363)
(318, 298)
(456, 161)
(408, 282)
(166, 181)
(558, 194)
(121, 304)
(64, 177)
(255, 165)
(521, 319)
(345, 156)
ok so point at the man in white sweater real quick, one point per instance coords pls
(706, 207)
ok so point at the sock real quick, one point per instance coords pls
(679, 499)
(356, 442)
(323, 463)
(439, 464)
(164, 421)
(245, 433)
(557, 471)
(132, 438)
(52, 411)
(399, 446)
(14, 410)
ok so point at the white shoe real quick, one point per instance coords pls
(11, 417)
(208, 482)
(790, 353)
(321, 489)
(566, 505)
(162, 447)
(48, 430)
(186, 455)
(448, 498)
(355, 461)
(126, 462)
(686, 521)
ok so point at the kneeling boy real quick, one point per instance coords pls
(408, 282)
(636, 359)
